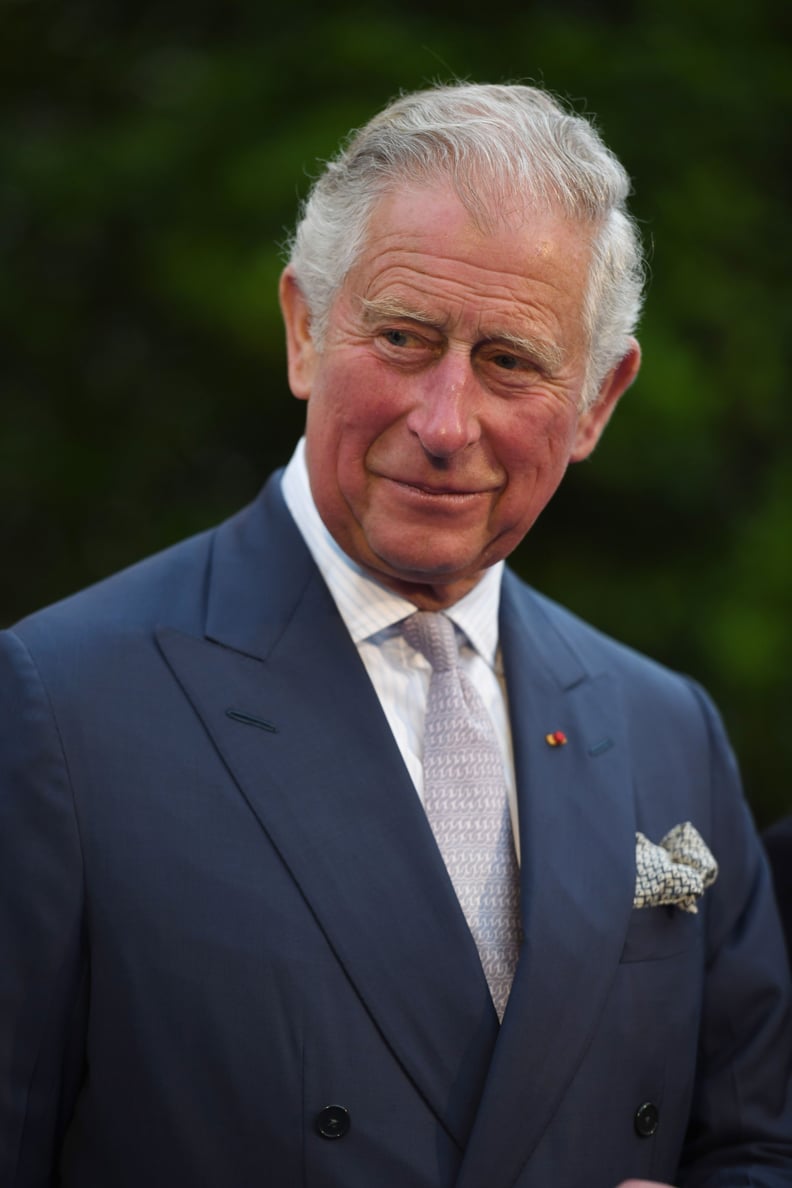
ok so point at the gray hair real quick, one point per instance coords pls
(494, 143)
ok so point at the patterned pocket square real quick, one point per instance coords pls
(675, 873)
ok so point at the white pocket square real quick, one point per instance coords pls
(674, 873)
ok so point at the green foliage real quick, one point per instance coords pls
(151, 160)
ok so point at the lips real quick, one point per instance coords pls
(427, 490)
(439, 489)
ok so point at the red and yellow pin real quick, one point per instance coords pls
(556, 738)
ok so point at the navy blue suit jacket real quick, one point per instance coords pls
(222, 909)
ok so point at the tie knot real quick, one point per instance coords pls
(432, 634)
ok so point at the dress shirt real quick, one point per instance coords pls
(399, 674)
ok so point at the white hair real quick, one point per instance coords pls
(497, 144)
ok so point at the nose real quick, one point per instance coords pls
(445, 415)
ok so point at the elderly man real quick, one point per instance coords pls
(334, 856)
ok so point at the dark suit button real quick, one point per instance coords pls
(332, 1122)
(646, 1119)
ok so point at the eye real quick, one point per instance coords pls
(397, 338)
(519, 365)
(507, 362)
(406, 346)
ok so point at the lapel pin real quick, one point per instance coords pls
(556, 738)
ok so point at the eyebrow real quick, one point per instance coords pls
(547, 354)
(392, 307)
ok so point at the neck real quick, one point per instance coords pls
(427, 596)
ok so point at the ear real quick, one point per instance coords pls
(300, 350)
(592, 422)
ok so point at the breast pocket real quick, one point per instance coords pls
(657, 933)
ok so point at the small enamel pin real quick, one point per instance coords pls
(556, 738)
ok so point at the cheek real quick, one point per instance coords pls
(539, 438)
(356, 398)
(341, 427)
(535, 456)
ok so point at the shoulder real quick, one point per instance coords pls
(137, 596)
(168, 588)
(576, 650)
(682, 764)
(93, 647)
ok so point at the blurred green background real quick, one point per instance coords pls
(151, 159)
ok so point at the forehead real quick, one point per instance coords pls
(425, 252)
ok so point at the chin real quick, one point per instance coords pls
(426, 568)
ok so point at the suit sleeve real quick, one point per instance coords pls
(740, 1134)
(43, 971)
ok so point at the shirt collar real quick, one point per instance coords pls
(366, 606)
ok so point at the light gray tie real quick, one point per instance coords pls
(466, 803)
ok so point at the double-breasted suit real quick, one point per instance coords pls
(232, 956)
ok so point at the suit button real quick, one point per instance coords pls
(332, 1122)
(646, 1119)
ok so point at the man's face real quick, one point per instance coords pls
(444, 404)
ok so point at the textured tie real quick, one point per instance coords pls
(467, 805)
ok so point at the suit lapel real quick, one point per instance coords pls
(578, 842)
(311, 751)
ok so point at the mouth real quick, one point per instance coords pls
(439, 490)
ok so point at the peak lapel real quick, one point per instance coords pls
(578, 844)
(312, 753)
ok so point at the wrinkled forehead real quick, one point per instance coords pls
(431, 222)
(491, 209)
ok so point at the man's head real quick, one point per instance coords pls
(459, 305)
(502, 147)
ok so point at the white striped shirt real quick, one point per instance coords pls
(372, 615)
